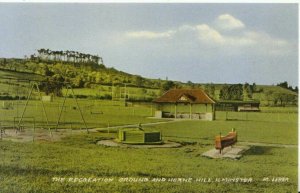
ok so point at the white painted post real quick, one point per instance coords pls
(175, 110)
(112, 91)
(190, 110)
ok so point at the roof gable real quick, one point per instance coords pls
(186, 98)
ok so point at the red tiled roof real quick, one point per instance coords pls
(185, 95)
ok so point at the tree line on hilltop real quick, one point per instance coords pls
(66, 56)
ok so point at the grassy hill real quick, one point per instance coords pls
(99, 82)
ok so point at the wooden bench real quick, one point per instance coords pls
(225, 141)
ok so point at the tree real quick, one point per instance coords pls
(210, 89)
(168, 85)
(269, 96)
(98, 77)
(45, 71)
(279, 98)
(233, 92)
(78, 82)
(290, 99)
(236, 92)
(53, 85)
(190, 84)
(138, 81)
(253, 87)
(296, 89)
(283, 84)
(247, 91)
(224, 93)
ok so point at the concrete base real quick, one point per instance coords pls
(234, 152)
(113, 143)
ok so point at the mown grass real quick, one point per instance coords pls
(248, 131)
(102, 90)
(95, 112)
(30, 167)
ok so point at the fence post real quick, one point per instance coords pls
(33, 136)
(71, 128)
(108, 127)
(1, 131)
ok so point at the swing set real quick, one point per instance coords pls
(18, 121)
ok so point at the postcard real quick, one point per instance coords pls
(148, 97)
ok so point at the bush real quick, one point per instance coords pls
(80, 96)
(7, 97)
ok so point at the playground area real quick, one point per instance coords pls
(71, 136)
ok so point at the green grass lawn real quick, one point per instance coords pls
(96, 113)
(250, 131)
(30, 167)
(101, 90)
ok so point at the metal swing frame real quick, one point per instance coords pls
(33, 85)
(69, 87)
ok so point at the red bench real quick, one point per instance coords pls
(225, 141)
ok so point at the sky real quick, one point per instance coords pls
(202, 43)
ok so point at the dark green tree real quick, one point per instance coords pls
(138, 81)
(168, 85)
(53, 85)
(232, 92)
(224, 93)
(283, 84)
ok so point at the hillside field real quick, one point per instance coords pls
(13, 87)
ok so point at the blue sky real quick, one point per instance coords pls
(219, 43)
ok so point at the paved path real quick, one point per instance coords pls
(134, 125)
(235, 152)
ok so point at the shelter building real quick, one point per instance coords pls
(240, 106)
(185, 104)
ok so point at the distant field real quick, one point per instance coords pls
(100, 113)
(279, 109)
(97, 113)
(10, 86)
(117, 92)
(19, 75)
(97, 90)
(13, 87)
(140, 93)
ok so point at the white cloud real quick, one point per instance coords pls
(263, 42)
(208, 34)
(149, 34)
(228, 22)
(214, 36)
